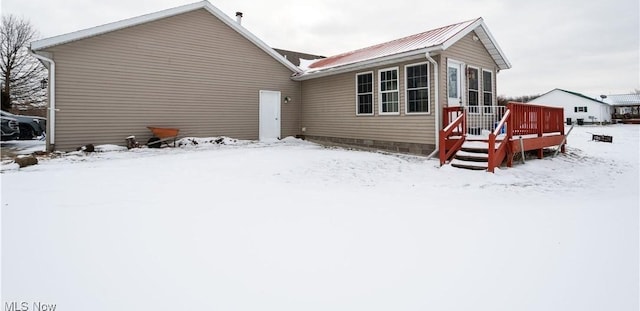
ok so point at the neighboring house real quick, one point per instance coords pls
(578, 108)
(625, 106)
(196, 69)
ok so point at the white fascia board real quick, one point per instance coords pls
(489, 43)
(383, 61)
(251, 37)
(98, 30)
(461, 34)
(495, 45)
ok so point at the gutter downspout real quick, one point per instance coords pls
(52, 100)
(437, 114)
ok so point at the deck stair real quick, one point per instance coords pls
(463, 141)
(473, 155)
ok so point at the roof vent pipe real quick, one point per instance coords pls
(239, 18)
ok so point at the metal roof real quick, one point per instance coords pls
(623, 99)
(436, 39)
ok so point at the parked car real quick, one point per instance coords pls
(30, 126)
(10, 128)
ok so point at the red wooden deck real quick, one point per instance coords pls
(539, 127)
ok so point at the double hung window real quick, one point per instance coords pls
(417, 85)
(474, 84)
(487, 90)
(389, 92)
(364, 93)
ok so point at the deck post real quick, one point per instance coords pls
(507, 139)
(443, 148)
(562, 147)
(540, 129)
(522, 149)
(491, 150)
(445, 117)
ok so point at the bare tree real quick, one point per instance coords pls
(21, 72)
(503, 100)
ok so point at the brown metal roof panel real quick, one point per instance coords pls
(414, 42)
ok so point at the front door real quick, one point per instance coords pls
(269, 115)
(454, 83)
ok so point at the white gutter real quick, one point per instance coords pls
(437, 114)
(51, 134)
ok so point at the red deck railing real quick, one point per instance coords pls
(528, 119)
(497, 155)
(519, 119)
(453, 135)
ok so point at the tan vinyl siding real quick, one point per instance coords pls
(189, 71)
(330, 110)
(471, 53)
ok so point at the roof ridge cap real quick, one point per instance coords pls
(413, 35)
(471, 21)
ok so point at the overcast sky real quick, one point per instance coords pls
(586, 46)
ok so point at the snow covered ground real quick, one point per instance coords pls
(20, 147)
(291, 225)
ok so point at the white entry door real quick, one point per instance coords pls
(269, 115)
(454, 83)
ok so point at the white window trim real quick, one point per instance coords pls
(406, 90)
(493, 93)
(479, 90)
(373, 90)
(380, 92)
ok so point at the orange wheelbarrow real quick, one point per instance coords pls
(162, 135)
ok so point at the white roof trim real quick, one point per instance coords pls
(487, 40)
(484, 35)
(493, 48)
(95, 31)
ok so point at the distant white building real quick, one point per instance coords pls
(626, 106)
(578, 108)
